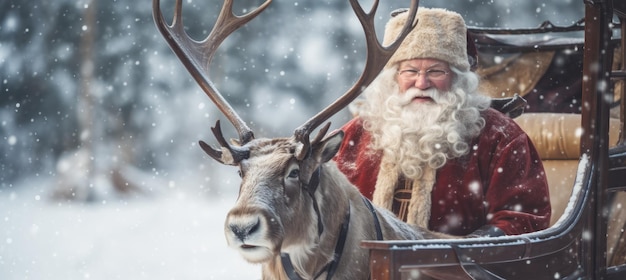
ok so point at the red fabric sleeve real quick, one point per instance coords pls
(355, 160)
(517, 192)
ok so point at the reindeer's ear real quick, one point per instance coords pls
(331, 144)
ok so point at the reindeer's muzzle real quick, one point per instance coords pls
(243, 230)
(252, 233)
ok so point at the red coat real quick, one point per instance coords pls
(512, 192)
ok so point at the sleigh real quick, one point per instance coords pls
(577, 124)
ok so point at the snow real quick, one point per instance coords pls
(174, 235)
(576, 191)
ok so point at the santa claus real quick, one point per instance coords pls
(426, 145)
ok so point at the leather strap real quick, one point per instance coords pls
(288, 267)
(379, 231)
(331, 267)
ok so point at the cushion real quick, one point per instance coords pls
(557, 135)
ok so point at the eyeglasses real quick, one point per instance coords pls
(431, 74)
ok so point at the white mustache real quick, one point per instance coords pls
(412, 93)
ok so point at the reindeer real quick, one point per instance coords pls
(296, 213)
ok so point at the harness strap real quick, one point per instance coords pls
(331, 267)
(379, 231)
(341, 242)
(288, 267)
(311, 187)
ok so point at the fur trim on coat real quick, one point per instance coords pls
(420, 203)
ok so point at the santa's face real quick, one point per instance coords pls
(412, 117)
(424, 74)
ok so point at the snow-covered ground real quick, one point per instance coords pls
(176, 234)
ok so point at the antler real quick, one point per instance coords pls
(377, 57)
(197, 56)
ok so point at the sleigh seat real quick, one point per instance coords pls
(548, 75)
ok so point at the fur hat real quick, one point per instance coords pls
(439, 34)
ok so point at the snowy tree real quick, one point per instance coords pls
(95, 80)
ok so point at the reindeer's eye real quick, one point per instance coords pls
(294, 173)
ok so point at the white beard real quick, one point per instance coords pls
(418, 135)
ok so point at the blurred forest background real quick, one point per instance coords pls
(92, 98)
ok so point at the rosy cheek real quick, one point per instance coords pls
(443, 85)
(403, 86)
